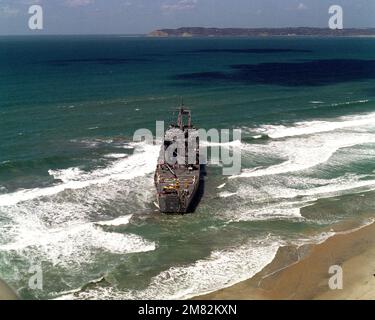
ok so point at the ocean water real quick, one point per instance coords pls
(76, 193)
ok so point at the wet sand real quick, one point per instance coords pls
(307, 273)
(6, 293)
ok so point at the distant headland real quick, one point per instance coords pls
(259, 32)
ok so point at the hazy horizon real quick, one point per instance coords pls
(138, 17)
(36, 34)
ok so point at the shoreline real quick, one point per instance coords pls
(302, 272)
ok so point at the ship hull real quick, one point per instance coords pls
(178, 172)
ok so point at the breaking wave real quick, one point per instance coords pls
(304, 153)
(222, 269)
(310, 158)
(139, 164)
(312, 127)
(64, 224)
(71, 244)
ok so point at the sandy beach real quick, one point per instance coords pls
(6, 293)
(306, 274)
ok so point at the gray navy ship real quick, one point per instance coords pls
(177, 182)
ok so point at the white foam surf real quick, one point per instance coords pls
(234, 143)
(70, 244)
(66, 175)
(60, 223)
(347, 103)
(222, 269)
(142, 162)
(116, 155)
(269, 199)
(116, 222)
(305, 152)
(67, 229)
(227, 194)
(312, 127)
(285, 211)
(310, 148)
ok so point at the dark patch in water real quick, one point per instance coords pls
(106, 61)
(311, 73)
(258, 51)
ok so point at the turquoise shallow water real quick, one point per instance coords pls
(76, 194)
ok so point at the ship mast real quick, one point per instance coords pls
(183, 112)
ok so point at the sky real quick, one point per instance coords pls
(144, 16)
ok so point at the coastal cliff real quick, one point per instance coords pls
(258, 32)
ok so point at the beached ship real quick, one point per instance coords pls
(177, 181)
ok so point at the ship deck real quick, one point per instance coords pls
(183, 179)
